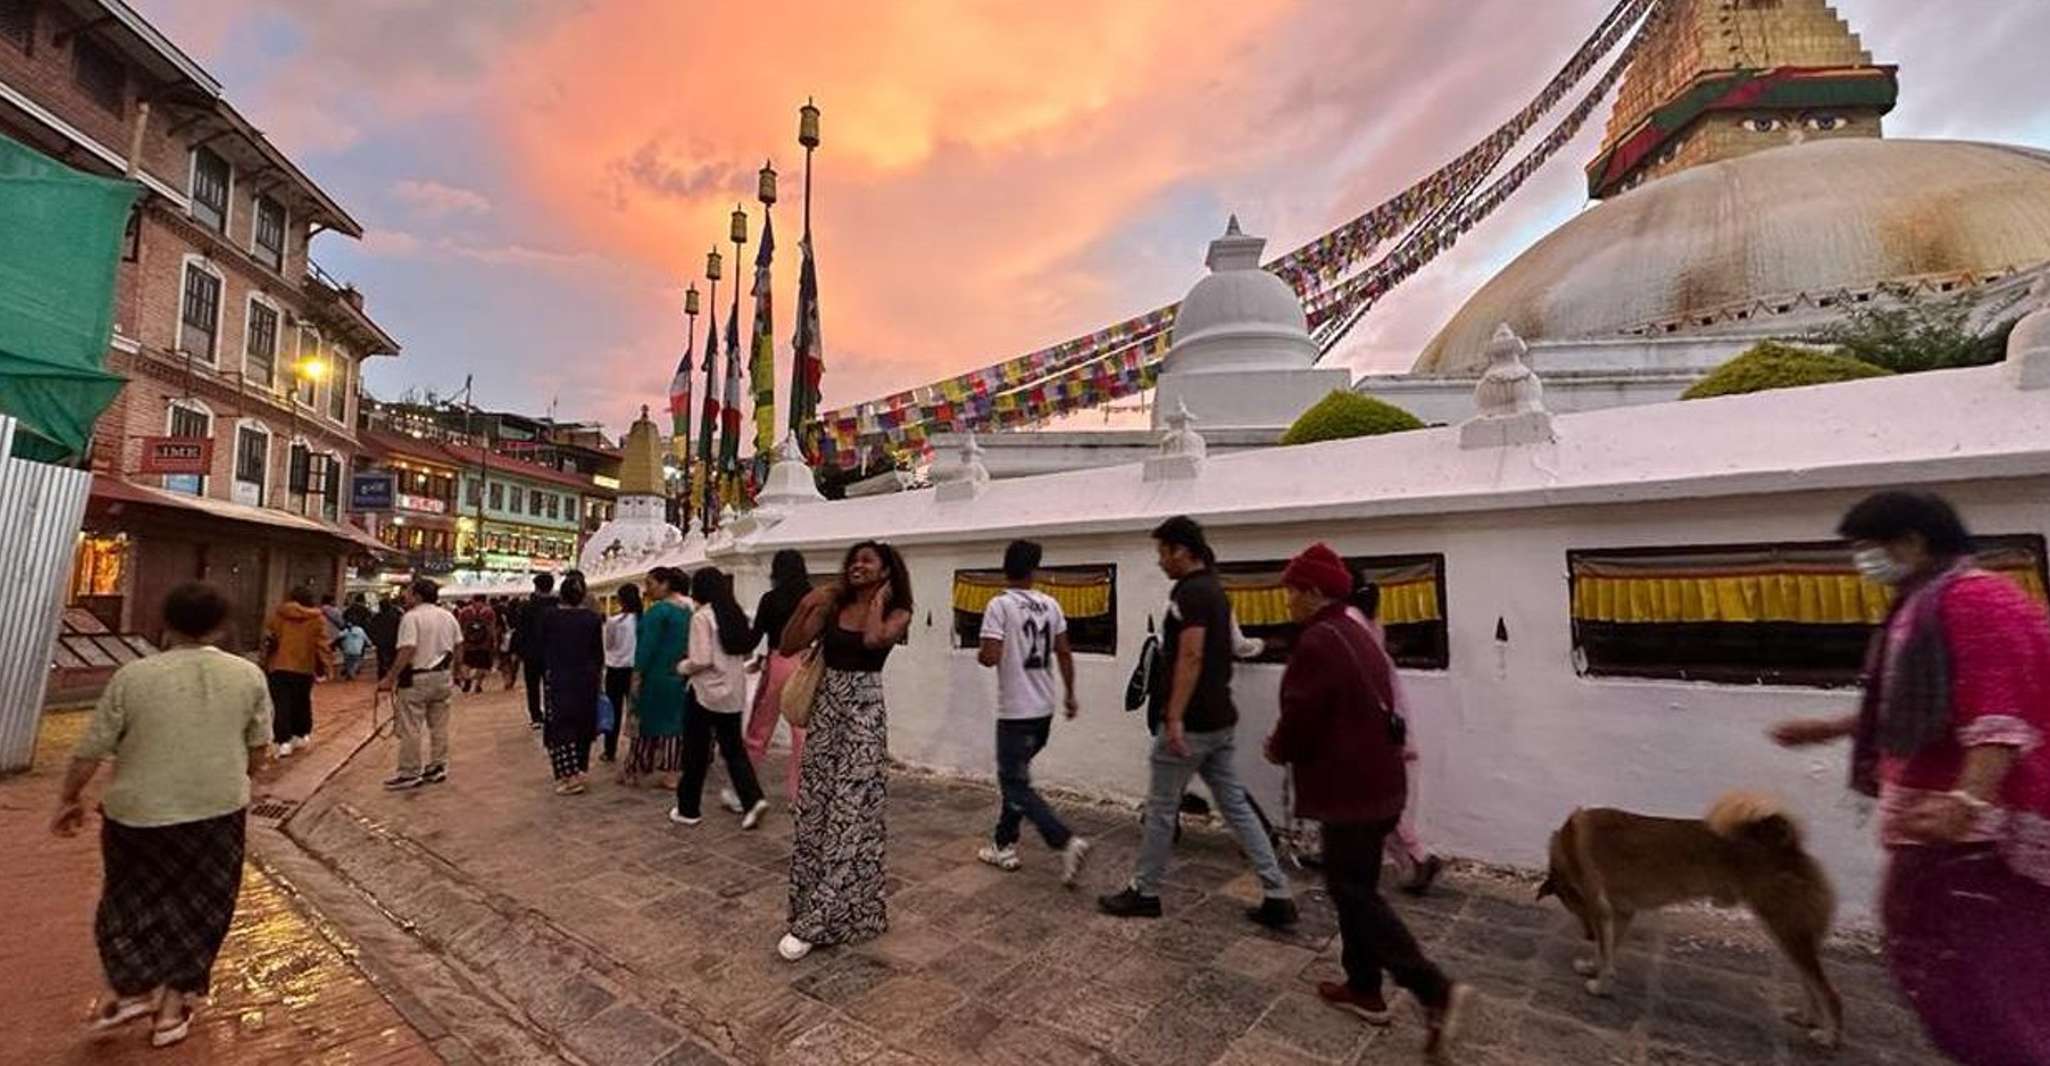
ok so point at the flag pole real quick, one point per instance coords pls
(803, 405)
(680, 427)
(739, 238)
(709, 424)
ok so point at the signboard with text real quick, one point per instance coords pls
(423, 504)
(371, 492)
(176, 455)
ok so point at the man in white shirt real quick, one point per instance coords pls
(421, 682)
(1024, 634)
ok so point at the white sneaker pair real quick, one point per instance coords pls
(1006, 858)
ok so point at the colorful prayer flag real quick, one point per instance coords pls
(761, 367)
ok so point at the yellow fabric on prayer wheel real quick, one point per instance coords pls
(1078, 599)
(1815, 598)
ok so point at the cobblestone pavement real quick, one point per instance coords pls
(284, 991)
(631, 940)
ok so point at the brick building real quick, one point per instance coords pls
(225, 330)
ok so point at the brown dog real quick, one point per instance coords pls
(1609, 865)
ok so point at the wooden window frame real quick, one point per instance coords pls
(194, 265)
(1413, 646)
(272, 257)
(254, 430)
(249, 333)
(85, 49)
(227, 198)
(206, 415)
(1778, 653)
(1086, 636)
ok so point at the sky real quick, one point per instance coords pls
(539, 179)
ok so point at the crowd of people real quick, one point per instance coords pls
(1949, 738)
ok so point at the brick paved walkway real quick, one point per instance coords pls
(629, 940)
(283, 991)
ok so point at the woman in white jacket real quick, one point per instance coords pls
(716, 664)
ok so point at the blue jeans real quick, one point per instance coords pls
(1210, 755)
(1018, 740)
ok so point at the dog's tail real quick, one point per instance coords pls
(1755, 818)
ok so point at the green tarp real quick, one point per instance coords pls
(60, 240)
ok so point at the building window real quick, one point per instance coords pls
(200, 319)
(1759, 614)
(554, 506)
(1412, 606)
(519, 500)
(99, 71)
(305, 385)
(1087, 595)
(473, 493)
(193, 423)
(210, 178)
(497, 496)
(269, 237)
(18, 23)
(260, 349)
(330, 487)
(338, 390)
(299, 469)
(252, 457)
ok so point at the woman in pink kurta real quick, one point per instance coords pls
(1950, 738)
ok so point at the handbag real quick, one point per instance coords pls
(608, 716)
(801, 691)
(1146, 674)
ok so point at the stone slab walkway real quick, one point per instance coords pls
(629, 940)
(285, 987)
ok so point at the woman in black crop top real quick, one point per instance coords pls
(836, 864)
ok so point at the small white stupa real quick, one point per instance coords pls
(1242, 355)
(639, 529)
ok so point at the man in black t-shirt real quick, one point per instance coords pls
(1196, 720)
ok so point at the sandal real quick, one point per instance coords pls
(161, 1035)
(119, 1011)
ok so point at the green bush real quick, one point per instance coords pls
(1771, 365)
(1915, 337)
(1346, 414)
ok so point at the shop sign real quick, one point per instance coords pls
(177, 455)
(424, 504)
(504, 561)
(371, 492)
(546, 565)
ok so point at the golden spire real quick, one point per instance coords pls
(640, 464)
(1724, 78)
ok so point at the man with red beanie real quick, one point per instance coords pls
(1339, 732)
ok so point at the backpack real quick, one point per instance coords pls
(1139, 691)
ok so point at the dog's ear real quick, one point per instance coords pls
(1547, 888)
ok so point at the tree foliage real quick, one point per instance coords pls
(1772, 365)
(1912, 337)
(1345, 414)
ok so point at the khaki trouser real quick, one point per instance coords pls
(423, 705)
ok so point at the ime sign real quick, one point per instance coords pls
(177, 455)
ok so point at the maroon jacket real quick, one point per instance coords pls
(1336, 696)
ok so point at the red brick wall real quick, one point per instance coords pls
(44, 74)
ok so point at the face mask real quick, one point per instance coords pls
(1879, 566)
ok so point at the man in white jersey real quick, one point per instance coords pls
(1024, 635)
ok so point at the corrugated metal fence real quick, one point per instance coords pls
(41, 509)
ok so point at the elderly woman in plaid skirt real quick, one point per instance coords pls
(186, 727)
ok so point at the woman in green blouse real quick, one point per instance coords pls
(659, 644)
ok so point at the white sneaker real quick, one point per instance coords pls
(1005, 859)
(1072, 858)
(676, 816)
(753, 817)
(730, 800)
(793, 949)
(303, 744)
(285, 750)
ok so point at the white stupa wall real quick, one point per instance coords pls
(1513, 737)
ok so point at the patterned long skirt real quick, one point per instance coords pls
(167, 902)
(1968, 939)
(836, 861)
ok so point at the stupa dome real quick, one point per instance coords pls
(1240, 317)
(1727, 244)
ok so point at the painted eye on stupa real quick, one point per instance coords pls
(1764, 124)
(1827, 122)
